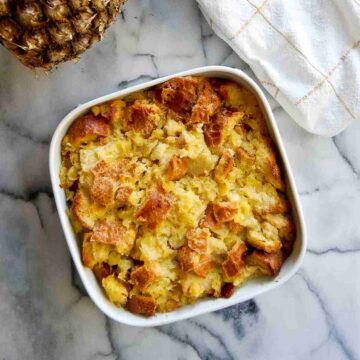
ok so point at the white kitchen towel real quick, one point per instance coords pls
(306, 53)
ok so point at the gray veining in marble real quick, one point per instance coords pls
(45, 312)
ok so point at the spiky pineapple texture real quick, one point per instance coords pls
(43, 33)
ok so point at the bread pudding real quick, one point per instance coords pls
(176, 193)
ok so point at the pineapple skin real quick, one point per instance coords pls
(43, 33)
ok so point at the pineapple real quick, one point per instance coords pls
(43, 33)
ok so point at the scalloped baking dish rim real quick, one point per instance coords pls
(251, 288)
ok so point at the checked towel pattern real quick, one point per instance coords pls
(306, 53)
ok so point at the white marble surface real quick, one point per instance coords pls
(44, 311)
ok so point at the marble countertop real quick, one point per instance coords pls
(45, 312)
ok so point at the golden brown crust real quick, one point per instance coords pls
(274, 168)
(107, 232)
(208, 220)
(112, 233)
(140, 117)
(142, 276)
(177, 167)
(204, 266)
(101, 271)
(214, 131)
(88, 128)
(233, 265)
(224, 211)
(154, 209)
(235, 228)
(245, 157)
(102, 190)
(142, 305)
(105, 187)
(80, 210)
(179, 94)
(267, 239)
(104, 169)
(187, 258)
(206, 106)
(269, 264)
(197, 240)
(224, 166)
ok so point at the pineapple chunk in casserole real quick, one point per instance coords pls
(176, 193)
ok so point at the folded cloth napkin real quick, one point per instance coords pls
(306, 53)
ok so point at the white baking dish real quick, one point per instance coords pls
(249, 289)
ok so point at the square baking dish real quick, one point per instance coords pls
(250, 289)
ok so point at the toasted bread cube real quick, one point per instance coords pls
(187, 258)
(154, 209)
(233, 265)
(197, 240)
(179, 94)
(214, 132)
(283, 223)
(224, 166)
(105, 184)
(115, 290)
(220, 126)
(231, 268)
(142, 305)
(177, 167)
(84, 211)
(88, 128)
(208, 220)
(203, 266)
(102, 191)
(207, 104)
(112, 170)
(113, 233)
(266, 239)
(142, 117)
(102, 188)
(267, 162)
(235, 228)
(269, 264)
(102, 271)
(108, 232)
(224, 211)
(245, 159)
(286, 229)
(142, 276)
